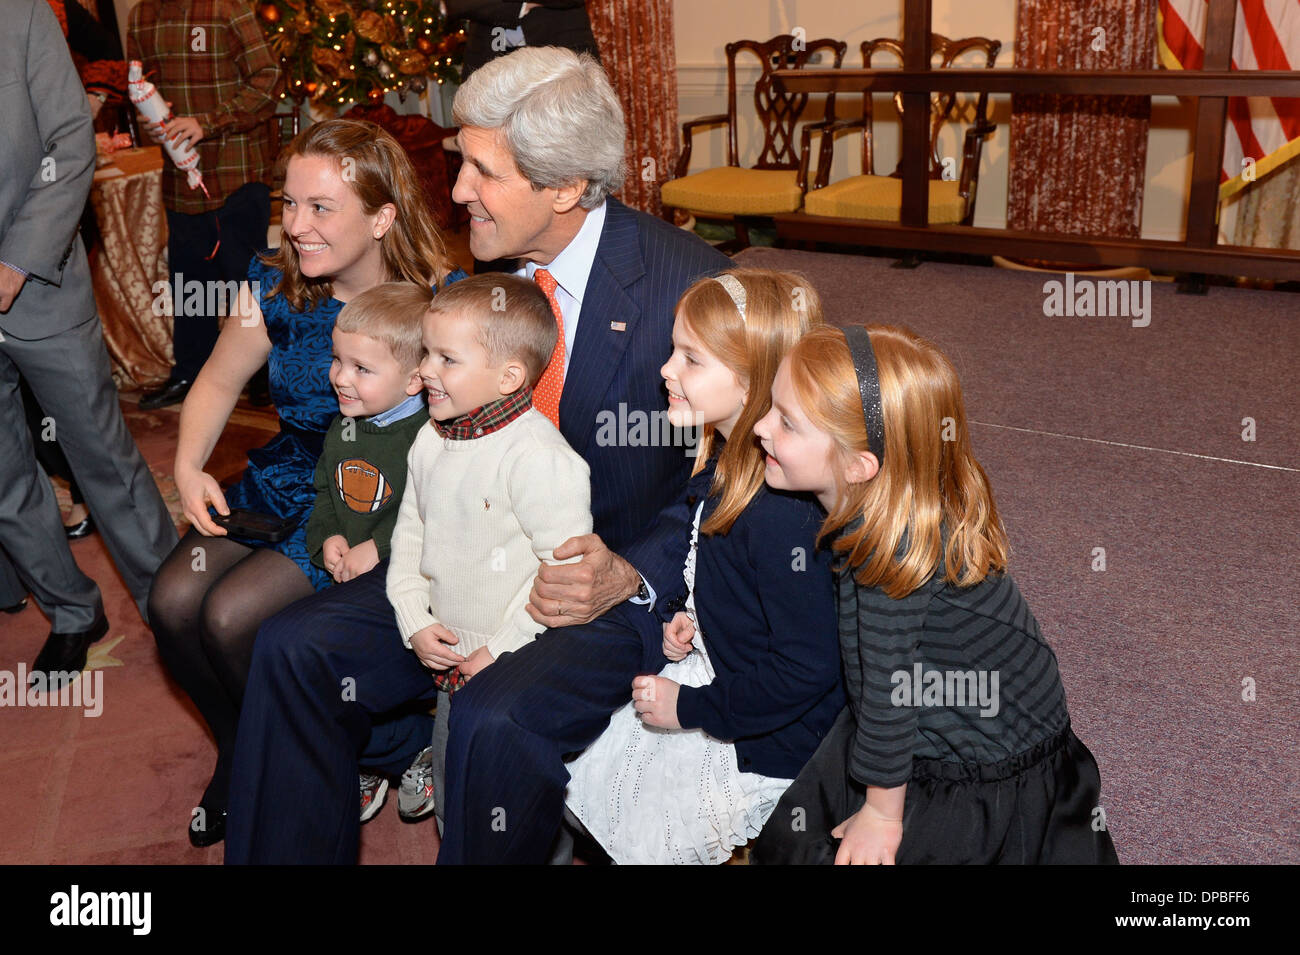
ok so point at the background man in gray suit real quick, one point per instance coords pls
(50, 333)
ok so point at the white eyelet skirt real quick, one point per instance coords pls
(652, 796)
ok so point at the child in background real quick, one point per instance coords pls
(362, 469)
(693, 766)
(493, 489)
(217, 71)
(956, 746)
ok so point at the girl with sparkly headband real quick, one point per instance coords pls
(693, 766)
(956, 746)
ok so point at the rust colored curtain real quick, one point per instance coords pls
(1078, 163)
(637, 49)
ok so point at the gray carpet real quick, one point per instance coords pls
(1096, 433)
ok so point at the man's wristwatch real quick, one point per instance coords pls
(642, 592)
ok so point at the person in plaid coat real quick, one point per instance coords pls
(209, 59)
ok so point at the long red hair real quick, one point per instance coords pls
(779, 307)
(380, 173)
(929, 484)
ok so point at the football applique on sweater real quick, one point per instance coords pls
(359, 482)
(362, 486)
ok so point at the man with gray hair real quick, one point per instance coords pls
(542, 135)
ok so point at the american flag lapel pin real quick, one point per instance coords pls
(618, 326)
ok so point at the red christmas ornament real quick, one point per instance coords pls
(270, 13)
(424, 45)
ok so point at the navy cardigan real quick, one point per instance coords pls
(765, 601)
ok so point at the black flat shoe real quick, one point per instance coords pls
(83, 528)
(66, 652)
(210, 834)
(172, 392)
(15, 608)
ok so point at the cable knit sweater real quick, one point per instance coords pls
(477, 519)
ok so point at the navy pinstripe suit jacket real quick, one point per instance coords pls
(638, 505)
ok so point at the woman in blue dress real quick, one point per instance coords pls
(354, 216)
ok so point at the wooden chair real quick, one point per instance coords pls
(875, 197)
(777, 181)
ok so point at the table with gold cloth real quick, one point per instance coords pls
(130, 258)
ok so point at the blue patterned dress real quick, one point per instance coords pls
(279, 476)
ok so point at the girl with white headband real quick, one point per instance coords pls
(693, 766)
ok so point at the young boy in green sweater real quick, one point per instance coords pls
(362, 470)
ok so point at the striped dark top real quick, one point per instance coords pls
(988, 685)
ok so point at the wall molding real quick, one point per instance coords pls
(710, 79)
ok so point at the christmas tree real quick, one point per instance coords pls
(341, 51)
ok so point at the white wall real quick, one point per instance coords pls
(704, 28)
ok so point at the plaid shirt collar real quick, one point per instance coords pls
(490, 417)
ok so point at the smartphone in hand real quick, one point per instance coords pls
(253, 525)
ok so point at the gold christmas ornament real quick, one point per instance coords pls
(330, 62)
(369, 25)
(412, 63)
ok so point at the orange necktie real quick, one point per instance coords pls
(546, 393)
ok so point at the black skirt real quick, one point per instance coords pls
(1041, 807)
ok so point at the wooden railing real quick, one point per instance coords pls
(1198, 252)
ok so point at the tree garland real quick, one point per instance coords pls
(340, 51)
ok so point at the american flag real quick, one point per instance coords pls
(1267, 37)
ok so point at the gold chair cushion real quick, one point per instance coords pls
(729, 190)
(881, 198)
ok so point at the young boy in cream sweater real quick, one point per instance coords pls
(493, 488)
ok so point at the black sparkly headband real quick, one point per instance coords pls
(864, 363)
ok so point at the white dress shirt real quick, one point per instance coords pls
(571, 269)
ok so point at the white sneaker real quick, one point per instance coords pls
(373, 791)
(416, 798)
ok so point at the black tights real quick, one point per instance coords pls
(208, 599)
